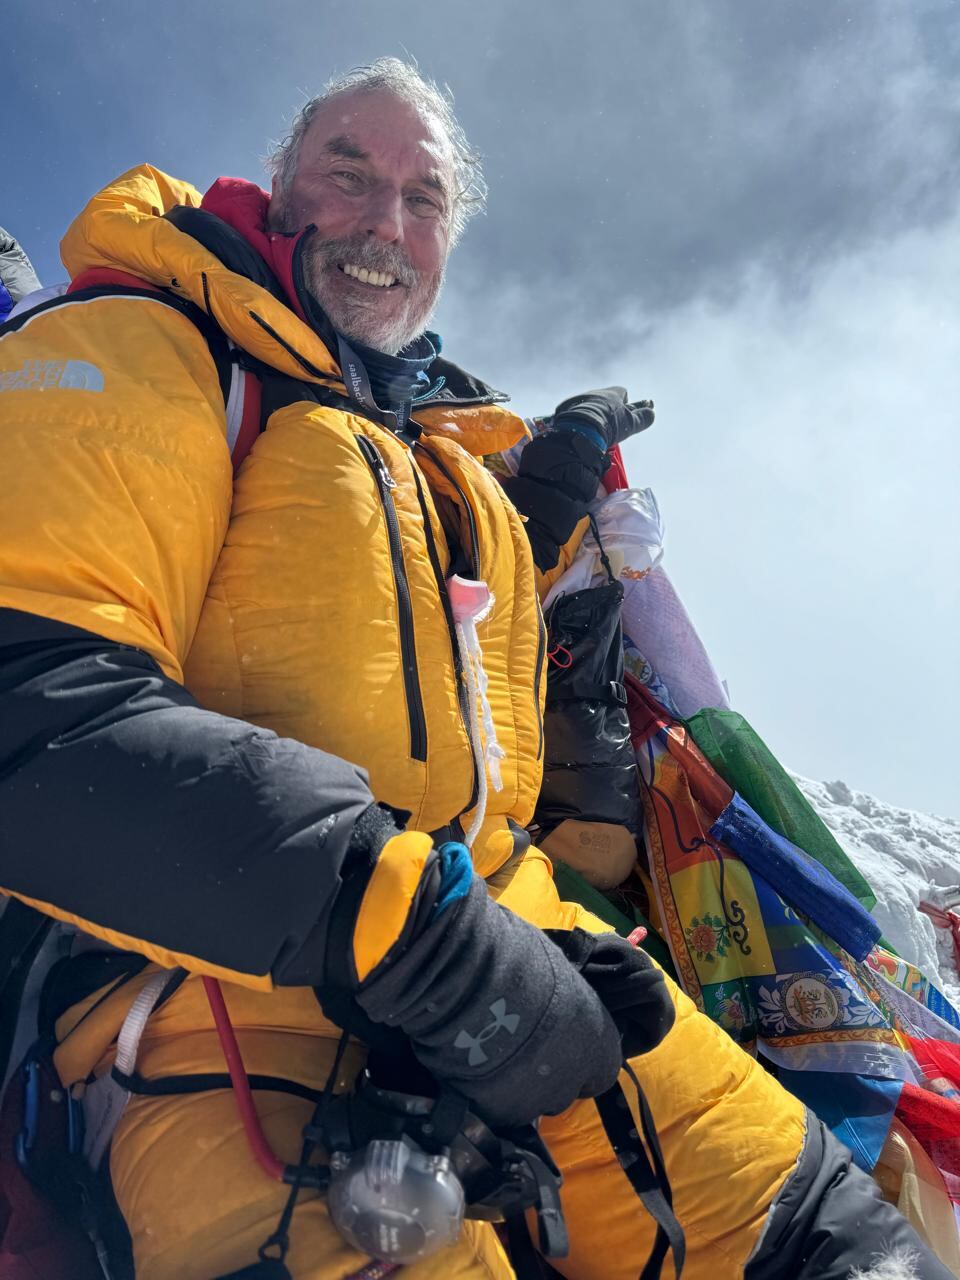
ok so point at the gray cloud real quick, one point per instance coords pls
(654, 152)
(806, 458)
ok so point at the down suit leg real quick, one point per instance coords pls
(735, 1144)
(198, 1205)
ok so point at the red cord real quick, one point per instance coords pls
(273, 1167)
(562, 663)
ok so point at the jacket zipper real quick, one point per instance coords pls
(541, 649)
(471, 521)
(408, 650)
(462, 692)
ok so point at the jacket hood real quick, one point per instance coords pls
(217, 252)
(245, 207)
(125, 227)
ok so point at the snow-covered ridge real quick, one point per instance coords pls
(907, 857)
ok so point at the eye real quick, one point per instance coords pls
(347, 177)
(424, 204)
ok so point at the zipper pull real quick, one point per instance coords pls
(386, 479)
(375, 458)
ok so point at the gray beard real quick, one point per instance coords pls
(362, 318)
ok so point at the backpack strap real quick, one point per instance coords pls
(22, 933)
(240, 380)
(244, 406)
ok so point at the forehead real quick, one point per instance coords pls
(394, 134)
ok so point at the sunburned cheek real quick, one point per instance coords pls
(327, 208)
(428, 251)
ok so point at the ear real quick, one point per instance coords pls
(275, 207)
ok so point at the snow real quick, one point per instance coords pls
(906, 856)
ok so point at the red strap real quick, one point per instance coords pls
(250, 422)
(95, 276)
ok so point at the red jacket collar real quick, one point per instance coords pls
(244, 206)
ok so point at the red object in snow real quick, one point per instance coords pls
(945, 920)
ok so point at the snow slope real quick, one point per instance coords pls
(906, 856)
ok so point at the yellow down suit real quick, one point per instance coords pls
(287, 598)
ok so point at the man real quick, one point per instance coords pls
(17, 276)
(244, 732)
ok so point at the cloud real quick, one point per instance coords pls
(663, 150)
(806, 457)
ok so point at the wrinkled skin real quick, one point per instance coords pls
(375, 177)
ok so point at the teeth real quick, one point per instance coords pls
(368, 277)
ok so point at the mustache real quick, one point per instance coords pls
(363, 252)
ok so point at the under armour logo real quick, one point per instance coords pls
(502, 1021)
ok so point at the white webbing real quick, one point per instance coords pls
(487, 757)
(104, 1100)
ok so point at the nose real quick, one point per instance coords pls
(384, 214)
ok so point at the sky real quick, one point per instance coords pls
(748, 210)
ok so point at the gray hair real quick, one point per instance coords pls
(406, 82)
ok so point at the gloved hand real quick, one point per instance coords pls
(489, 1003)
(604, 416)
(626, 980)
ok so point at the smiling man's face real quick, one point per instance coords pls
(375, 176)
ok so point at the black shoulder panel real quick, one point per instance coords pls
(126, 804)
(103, 291)
(227, 244)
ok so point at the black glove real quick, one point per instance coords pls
(494, 1008)
(626, 980)
(604, 416)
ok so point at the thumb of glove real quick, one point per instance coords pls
(643, 414)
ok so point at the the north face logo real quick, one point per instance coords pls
(502, 1021)
(43, 375)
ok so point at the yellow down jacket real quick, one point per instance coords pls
(304, 596)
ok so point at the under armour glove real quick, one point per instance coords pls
(491, 1006)
(604, 416)
(626, 980)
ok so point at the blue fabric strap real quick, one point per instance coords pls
(801, 881)
(456, 875)
(581, 428)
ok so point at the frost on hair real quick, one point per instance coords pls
(406, 82)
